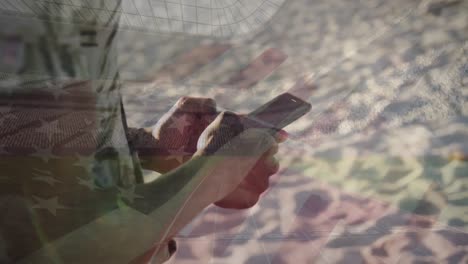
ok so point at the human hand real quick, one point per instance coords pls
(256, 182)
(173, 139)
(244, 159)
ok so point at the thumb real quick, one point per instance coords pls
(196, 105)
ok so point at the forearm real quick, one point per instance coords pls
(130, 227)
(175, 198)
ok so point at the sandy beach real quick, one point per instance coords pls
(377, 172)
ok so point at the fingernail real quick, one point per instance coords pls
(283, 135)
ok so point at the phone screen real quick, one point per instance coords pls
(281, 111)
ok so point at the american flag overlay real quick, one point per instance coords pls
(376, 172)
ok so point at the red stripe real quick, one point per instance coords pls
(303, 89)
(189, 62)
(258, 69)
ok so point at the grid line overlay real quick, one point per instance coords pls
(221, 18)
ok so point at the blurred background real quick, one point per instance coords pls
(377, 172)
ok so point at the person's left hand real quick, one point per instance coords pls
(173, 140)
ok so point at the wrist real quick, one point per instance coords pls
(205, 173)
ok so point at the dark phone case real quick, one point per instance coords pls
(280, 111)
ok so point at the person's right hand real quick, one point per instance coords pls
(233, 151)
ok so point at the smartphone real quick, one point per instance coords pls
(280, 111)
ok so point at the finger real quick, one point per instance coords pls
(241, 198)
(259, 139)
(222, 130)
(230, 120)
(272, 165)
(273, 150)
(257, 180)
(281, 136)
(197, 105)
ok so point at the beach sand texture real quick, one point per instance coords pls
(377, 172)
